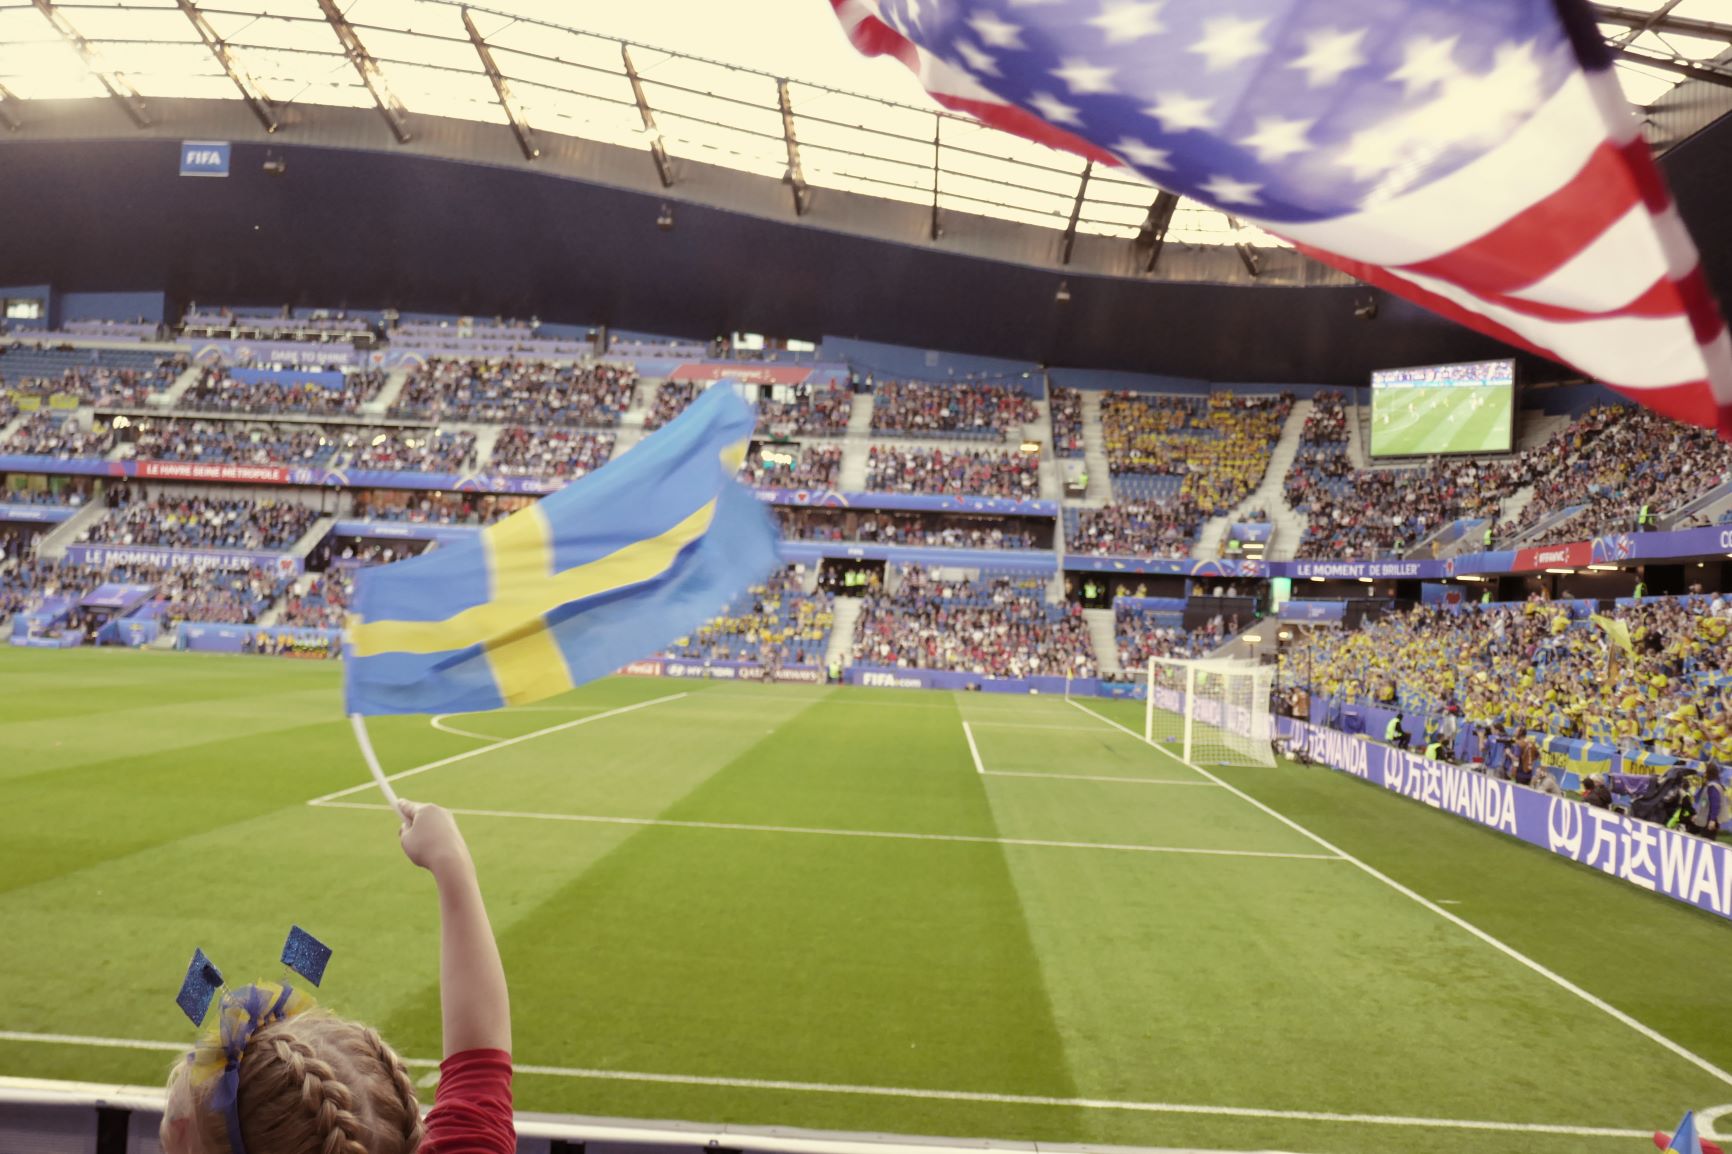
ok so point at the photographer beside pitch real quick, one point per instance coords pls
(279, 1076)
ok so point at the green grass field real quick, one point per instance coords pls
(805, 907)
(1421, 421)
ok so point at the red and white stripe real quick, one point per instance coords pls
(1563, 239)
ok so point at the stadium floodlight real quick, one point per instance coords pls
(1215, 711)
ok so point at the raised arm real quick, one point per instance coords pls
(474, 1003)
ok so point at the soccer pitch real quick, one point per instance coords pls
(1424, 420)
(868, 910)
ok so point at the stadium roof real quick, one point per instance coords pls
(717, 89)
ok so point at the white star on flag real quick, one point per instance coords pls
(1123, 21)
(979, 60)
(1277, 138)
(1328, 54)
(1426, 61)
(1140, 154)
(1226, 190)
(1055, 110)
(1229, 41)
(995, 31)
(1084, 77)
(1178, 112)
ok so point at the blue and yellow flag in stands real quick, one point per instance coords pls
(602, 573)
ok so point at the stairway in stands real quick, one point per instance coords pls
(1100, 488)
(1104, 635)
(845, 611)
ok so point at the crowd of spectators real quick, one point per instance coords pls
(216, 597)
(1218, 447)
(1136, 529)
(1067, 421)
(359, 552)
(1616, 460)
(410, 450)
(958, 410)
(217, 390)
(992, 626)
(820, 410)
(321, 605)
(553, 453)
(60, 434)
(883, 527)
(1537, 665)
(73, 491)
(99, 385)
(513, 392)
(775, 624)
(436, 508)
(790, 466)
(1143, 633)
(672, 397)
(237, 442)
(954, 472)
(184, 522)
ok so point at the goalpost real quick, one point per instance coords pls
(1217, 712)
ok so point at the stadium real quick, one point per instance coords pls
(940, 627)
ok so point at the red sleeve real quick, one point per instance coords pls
(472, 1106)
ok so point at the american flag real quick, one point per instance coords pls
(1475, 156)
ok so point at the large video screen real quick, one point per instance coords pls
(1468, 408)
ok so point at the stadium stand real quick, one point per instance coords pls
(786, 466)
(774, 624)
(671, 400)
(435, 508)
(182, 522)
(885, 527)
(60, 434)
(1067, 421)
(994, 625)
(819, 410)
(321, 605)
(953, 472)
(409, 450)
(218, 391)
(102, 377)
(1614, 460)
(556, 453)
(1143, 632)
(1151, 529)
(514, 392)
(951, 410)
(1545, 667)
(240, 442)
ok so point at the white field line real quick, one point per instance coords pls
(438, 722)
(973, 749)
(1034, 725)
(1393, 1120)
(500, 744)
(892, 835)
(1093, 777)
(1504, 948)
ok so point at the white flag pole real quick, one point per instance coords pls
(372, 759)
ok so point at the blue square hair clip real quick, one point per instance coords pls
(200, 987)
(306, 955)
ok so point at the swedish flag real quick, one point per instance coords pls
(602, 573)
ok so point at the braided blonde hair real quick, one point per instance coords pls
(312, 1084)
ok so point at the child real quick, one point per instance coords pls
(314, 1083)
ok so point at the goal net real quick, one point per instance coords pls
(1210, 712)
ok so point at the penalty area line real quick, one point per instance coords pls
(1497, 944)
(891, 835)
(502, 743)
(935, 1095)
